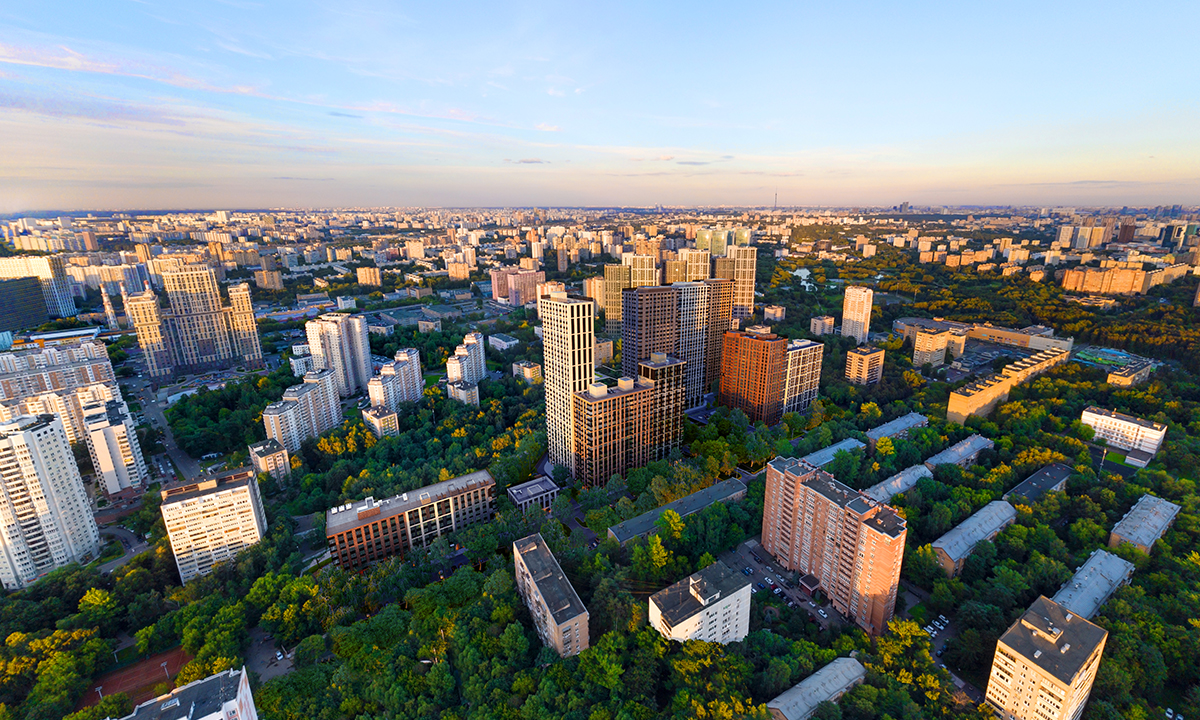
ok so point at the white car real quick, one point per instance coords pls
(822, 613)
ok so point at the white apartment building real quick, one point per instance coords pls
(745, 263)
(568, 328)
(803, 382)
(54, 369)
(306, 410)
(712, 605)
(399, 381)
(692, 337)
(929, 346)
(211, 521)
(341, 343)
(468, 364)
(856, 312)
(45, 517)
(1125, 432)
(51, 274)
(224, 696)
(112, 442)
(271, 458)
(464, 392)
(821, 325)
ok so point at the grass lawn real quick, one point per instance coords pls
(432, 378)
(1119, 459)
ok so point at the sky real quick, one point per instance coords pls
(143, 104)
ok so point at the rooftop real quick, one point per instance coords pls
(960, 451)
(865, 350)
(642, 524)
(1094, 582)
(1132, 368)
(197, 699)
(1148, 424)
(682, 600)
(897, 426)
(552, 584)
(339, 519)
(536, 487)
(1054, 639)
(902, 481)
(824, 456)
(1146, 521)
(1048, 478)
(270, 446)
(961, 540)
(205, 485)
(828, 683)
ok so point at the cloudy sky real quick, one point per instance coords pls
(150, 104)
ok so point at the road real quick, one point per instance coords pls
(131, 542)
(188, 466)
(740, 557)
(261, 656)
(939, 638)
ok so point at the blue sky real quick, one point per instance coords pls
(148, 104)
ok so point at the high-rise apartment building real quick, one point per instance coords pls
(51, 275)
(399, 381)
(569, 344)
(360, 534)
(69, 405)
(468, 364)
(24, 304)
(196, 332)
(930, 347)
(45, 511)
(63, 368)
(1045, 664)
(113, 445)
(853, 545)
(558, 613)
(371, 276)
(616, 279)
(640, 420)
(856, 313)
(697, 264)
(271, 458)
(821, 325)
(649, 324)
(745, 262)
(803, 375)
(674, 271)
(712, 605)
(212, 520)
(753, 372)
(692, 338)
(643, 269)
(306, 410)
(341, 343)
(720, 320)
(864, 365)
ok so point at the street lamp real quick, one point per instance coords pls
(98, 689)
(164, 667)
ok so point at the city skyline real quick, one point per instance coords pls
(135, 106)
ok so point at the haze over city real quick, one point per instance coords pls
(166, 105)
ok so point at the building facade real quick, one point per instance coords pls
(753, 373)
(271, 458)
(930, 347)
(359, 534)
(1125, 432)
(821, 325)
(558, 613)
(745, 260)
(856, 313)
(341, 343)
(616, 279)
(982, 396)
(113, 445)
(399, 381)
(212, 520)
(802, 383)
(569, 347)
(864, 365)
(51, 275)
(306, 410)
(712, 605)
(46, 515)
(850, 543)
(24, 304)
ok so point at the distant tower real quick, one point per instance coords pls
(109, 313)
(856, 313)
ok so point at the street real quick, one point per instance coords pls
(261, 656)
(141, 391)
(131, 542)
(740, 557)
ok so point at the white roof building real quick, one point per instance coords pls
(960, 453)
(1094, 582)
(955, 546)
(828, 683)
(1145, 523)
(902, 481)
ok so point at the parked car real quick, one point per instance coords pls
(777, 590)
(822, 613)
(940, 651)
(812, 604)
(760, 586)
(791, 604)
(278, 655)
(943, 619)
(754, 591)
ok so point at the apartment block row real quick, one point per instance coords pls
(982, 396)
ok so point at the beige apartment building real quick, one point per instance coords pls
(271, 458)
(372, 276)
(864, 365)
(1045, 664)
(821, 325)
(212, 520)
(856, 313)
(568, 324)
(930, 347)
(982, 396)
(851, 544)
(381, 421)
(305, 410)
(558, 613)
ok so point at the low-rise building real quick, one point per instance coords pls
(271, 458)
(530, 372)
(503, 342)
(1045, 664)
(1144, 524)
(712, 605)
(538, 492)
(774, 313)
(962, 453)
(824, 456)
(1140, 438)
(982, 396)
(864, 365)
(896, 429)
(827, 684)
(953, 548)
(1049, 479)
(362, 533)
(464, 392)
(212, 520)
(1131, 374)
(1094, 583)
(558, 614)
(381, 421)
(603, 353)
(224, 696)
(725, 491)
(902, 481)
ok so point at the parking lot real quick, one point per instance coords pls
(764, 571)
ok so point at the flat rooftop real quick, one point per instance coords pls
(960, 451)
(1048, 478)
(828, 683)
(902, 481)
(200, 698)
(1146, 521)
(552, 584)
(897, 426)
(1094, 582)
(1054, 639)
(824, 456)
(962, 538)
(1148, 424)
(536, 487)
(228, 480)
(344, 517)
(678, 602)
(642, 524)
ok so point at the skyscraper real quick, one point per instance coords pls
(864, 365)
(113, 445)
(753, 371)
(698, 264)
(643, 269)
(616, 279)
(856, 313)
(212, 520)
(745, 260)
(45, 511)
(649, 324)
(341, 343)
(468, 363)
(720, 319)
(569, 341)
(306, 410)
(803, 383)
(196, 332)
(51, 274)
(853, 545)
(399, 381)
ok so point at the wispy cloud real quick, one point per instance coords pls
(547, 127)
(335, 113)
